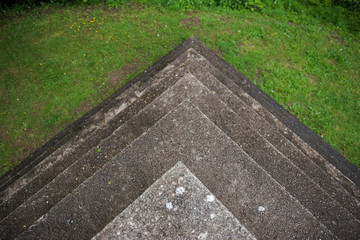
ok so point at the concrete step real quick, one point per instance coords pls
(273, 135)
(301, 186)
(324, 155)
(180, 201)
(103, 124)
(185, 135)
(49, 195)
(328, 196)
(87, 124)
(298, 184)
(232, 81)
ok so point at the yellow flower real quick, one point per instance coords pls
(40, 64)
(64, 73)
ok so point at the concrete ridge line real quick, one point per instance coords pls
(55, 142)
(275, 131)
(138, 139)
(108, 163)
(293, 166)
(331, 170)
(279, 185)
(9, 192)
(73, 164)
(272, 146)
(322, 147)
(186, 100)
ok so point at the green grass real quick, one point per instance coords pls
(56, 63)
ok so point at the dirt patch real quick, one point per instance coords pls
(136, 6)
(335, 36)
(37, 106)
(258, 74)
(190, 22)
(245, 46)
(332, 62)
(117, 76)
(84, 108)
(311, 77)
(190, 12)
(293, 24)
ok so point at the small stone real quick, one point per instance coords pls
(180, 190)
(261, 209)
(210, 198)
(203, 235)
(169, 205)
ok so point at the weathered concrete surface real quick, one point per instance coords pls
(272, 130)
(188, 87)
(176, 206)
(240, 143)
(186, 135)
(100, 126)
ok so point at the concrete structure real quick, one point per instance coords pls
(190, 149)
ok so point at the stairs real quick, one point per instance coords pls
(189, 116)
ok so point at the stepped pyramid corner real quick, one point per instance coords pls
(189, 149)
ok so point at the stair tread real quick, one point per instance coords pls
(209, 91)
(204, 149)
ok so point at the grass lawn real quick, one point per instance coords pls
(56, 63)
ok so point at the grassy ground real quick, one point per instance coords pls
(56, 63)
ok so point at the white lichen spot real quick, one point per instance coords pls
(210, 198)
(203, 235)
(118, 233)
(169, 205)
(212, 215)
(179, 191)
(261, 209)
